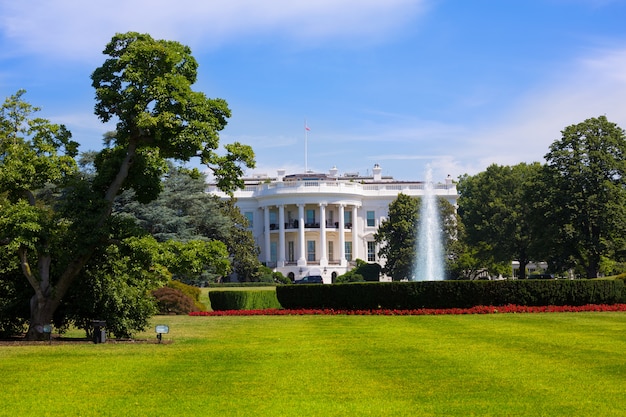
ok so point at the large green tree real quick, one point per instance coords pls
(398, 235)
(53, 220)
(585, 208)
(184, 211)
(499, 213)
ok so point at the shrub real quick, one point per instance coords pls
(279, 278)
(243, 300)
(451, 294)
(173, 301)
(349, 276)
(189, 290)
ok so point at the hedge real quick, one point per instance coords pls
(243, 300)
(451, 294)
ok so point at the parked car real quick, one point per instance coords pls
(541, 276)
(310, 279)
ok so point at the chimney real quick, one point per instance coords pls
(377, 172)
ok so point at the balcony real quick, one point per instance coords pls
(295, 224)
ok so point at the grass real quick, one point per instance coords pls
(493, 365)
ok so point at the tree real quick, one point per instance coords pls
(184, 211)
(498, 213)
(397, 234)
(55, 220)
(115, 285)
(586, 207)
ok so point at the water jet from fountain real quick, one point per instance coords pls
(429, 264)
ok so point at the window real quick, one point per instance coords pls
(273, 252)
(310, 218)
(331, 247)
(371, 251)
(330, 222)
(347, 217)
(250, 217)
(273, 219)
(371, 219)
(310, 250)
(348, 251)
(290, 252)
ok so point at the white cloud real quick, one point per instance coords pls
(73, 28)
(590, 87)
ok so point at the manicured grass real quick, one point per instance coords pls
(559, 364)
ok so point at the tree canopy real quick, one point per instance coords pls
(398, 238)
(585, 206)
(54, 219)
(498, 212)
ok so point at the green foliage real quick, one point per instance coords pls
(174, 301)
(499, 215)
(190, 291)
(146, 84)
(184, 212)
(188, 260)
(362, 272)
(243, 300)
(279, 278)
(114, 287)
(56, 222)
(349, 276)
(397, 235)
(585, 210)
(451, 294)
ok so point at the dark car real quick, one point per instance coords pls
(541, 276)
(310, 279)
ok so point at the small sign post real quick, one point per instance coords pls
(160, 330)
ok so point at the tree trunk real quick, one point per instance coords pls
(48, 296)
(522, 268)
(41, 313)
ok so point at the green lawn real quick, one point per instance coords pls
(560, 364)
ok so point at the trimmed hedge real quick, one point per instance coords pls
(450, 294)
(243, 300)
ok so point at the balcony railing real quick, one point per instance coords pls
(295, 224)
(291, 187)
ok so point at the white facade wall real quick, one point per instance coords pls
(305, 225)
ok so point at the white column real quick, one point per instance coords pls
(266, 235)
(342, 237)
(302, 255)
(281, 236)
(324, 257)
(355, 235)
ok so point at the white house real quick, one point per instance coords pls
(319, 224)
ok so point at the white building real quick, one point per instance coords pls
(319, 224)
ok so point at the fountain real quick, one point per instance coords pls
(429, 257)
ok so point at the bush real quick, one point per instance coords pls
(173, 301)
(243, 300)
(279, 278)
(349, 276)
(189, 290)
(451, 294)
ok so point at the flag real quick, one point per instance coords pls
(306, 127)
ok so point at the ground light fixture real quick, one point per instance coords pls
(47, 329)
(160, 330)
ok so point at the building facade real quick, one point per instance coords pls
(319, 224)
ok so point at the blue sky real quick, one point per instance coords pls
(457, 85)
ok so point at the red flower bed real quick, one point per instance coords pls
(417, 312)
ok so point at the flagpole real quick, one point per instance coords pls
(306, 138)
